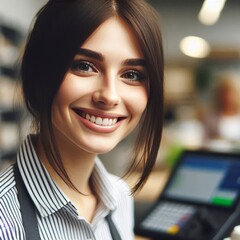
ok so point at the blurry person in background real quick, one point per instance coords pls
(92, 71)
(222, 121)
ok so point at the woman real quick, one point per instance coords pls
(91, 72)
(222, 119)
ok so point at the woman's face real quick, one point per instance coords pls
(104, 93)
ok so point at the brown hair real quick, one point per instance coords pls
(49, 52)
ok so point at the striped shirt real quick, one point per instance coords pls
(57, 217)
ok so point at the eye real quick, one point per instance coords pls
(134, 76)
(82, 66)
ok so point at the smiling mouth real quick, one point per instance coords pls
(101, 121)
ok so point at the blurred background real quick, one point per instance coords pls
(202, 77)
(202, 85)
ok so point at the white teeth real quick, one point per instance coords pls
(106, 121)
(92, 119)
(88, 117)
(100, 121)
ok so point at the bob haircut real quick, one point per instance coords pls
(60, 28)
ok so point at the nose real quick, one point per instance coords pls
(107, 96)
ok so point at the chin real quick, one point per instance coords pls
(101, 148)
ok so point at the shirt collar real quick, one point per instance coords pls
(104, 186)
(45, 193)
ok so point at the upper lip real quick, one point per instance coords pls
(98, 113)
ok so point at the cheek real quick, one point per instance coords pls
(137, 101)
(64, 94)
(71, 89)
(67, 93)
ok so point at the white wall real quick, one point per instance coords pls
(181, 21)
(19, 12)
(177, 22)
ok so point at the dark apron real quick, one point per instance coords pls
(29, 215)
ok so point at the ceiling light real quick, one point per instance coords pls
(194, 47)
(210, 11)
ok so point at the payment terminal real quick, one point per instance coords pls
(201, 200)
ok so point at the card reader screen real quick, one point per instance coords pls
(206, 179)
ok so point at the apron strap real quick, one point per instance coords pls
(112, 227)
(27, 207)
(29, 214)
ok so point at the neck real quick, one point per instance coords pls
(79, 166)
(77, 163)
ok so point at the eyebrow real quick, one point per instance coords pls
(98, 56)
(134, 62)
(91, 54)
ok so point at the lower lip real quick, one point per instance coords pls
(99, 128)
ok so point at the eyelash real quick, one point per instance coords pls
(78, 64)
(140, 76)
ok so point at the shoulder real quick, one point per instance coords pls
(121, 186)
(123, 196)
(110, 184)
(124, 214)
(9, 206)
(7, 181)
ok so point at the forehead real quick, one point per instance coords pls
(114, 36)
